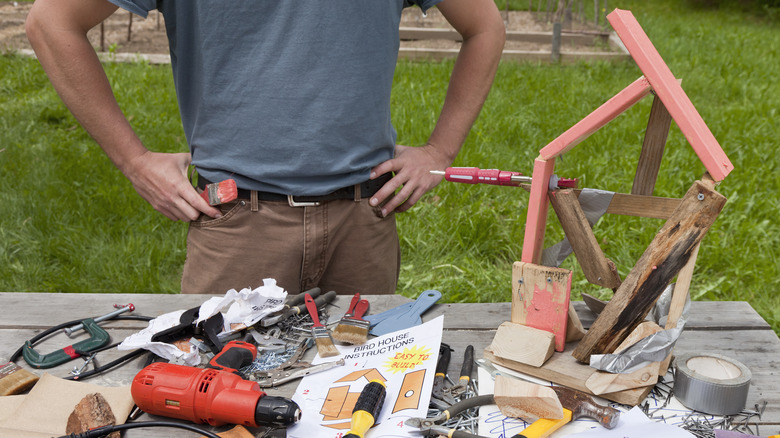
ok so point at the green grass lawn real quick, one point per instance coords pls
(72, 223)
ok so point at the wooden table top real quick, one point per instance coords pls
(733, 329)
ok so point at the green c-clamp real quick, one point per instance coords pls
(98, 338)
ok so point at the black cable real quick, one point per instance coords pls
(126, 358)
(59, 327)
(105, 430)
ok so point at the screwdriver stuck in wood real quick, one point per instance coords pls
(475, 175)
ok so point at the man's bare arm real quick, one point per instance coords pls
(57, 30)
(483, 32)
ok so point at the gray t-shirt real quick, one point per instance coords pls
(286, 96)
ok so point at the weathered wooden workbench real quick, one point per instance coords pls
(733, 329)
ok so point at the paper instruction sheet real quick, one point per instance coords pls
(405, 360)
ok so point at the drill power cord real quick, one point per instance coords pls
(105, 430)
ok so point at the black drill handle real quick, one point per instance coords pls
(468, 363)
(234, 356)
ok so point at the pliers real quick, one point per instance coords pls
(431, 426)
(459, 388)
(440, 398)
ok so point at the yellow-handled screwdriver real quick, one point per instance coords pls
(367, 408)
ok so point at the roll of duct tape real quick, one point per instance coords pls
(711, 383)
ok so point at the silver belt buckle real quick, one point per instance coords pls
(294, 203)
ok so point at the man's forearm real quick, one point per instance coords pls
(470, 83)
(78, 77)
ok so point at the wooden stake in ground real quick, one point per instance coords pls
(666, 255)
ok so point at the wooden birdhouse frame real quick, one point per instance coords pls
(671, 253)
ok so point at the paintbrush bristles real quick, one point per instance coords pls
(325, 345)
(350, 331)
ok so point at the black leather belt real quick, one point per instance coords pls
(367, 189)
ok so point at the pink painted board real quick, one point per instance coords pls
(538, 203)
(540, 299)
(597, 119)
(671, 93)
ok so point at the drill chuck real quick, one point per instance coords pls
(278, 411)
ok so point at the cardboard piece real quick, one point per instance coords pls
(22, 417)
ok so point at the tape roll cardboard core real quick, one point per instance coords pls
(713, 367)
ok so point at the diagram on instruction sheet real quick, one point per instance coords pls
(404, 361)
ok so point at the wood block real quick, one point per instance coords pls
(536, 220)
(602, 382)
(564, 370)
(540, 298)
(652, 149)
(590, 257)
(663, 259)
(667, 88)
(594, 121)
(522, 399)
(91, 412)
(523, 344)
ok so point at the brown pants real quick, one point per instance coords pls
(342, 245)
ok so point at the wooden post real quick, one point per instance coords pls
(102, 37)
(538, 204)
(555, 56)
(652, 149)
(130, 28)
(663, 259)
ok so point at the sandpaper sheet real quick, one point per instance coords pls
(44, 411)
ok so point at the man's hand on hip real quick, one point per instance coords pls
(412, 166)
(161, 179)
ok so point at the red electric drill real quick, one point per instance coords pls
(215, 396)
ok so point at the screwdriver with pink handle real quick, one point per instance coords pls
(475, 175)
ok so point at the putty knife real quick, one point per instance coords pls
(400, 310)
(404, 316)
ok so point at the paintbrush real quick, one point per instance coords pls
(221, 192)
(325, 346)
(353, 329)
(350, 309)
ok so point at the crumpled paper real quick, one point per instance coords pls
(246, 307)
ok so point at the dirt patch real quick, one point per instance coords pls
(124, 32)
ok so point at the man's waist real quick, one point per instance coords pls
(357, 191)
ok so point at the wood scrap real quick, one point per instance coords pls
(529, 401)
(596, 267)
(602, 382)
(91, 412)
(663, 259)
(574, 329)
(523, 344)
(564, 370)
(540, 298)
